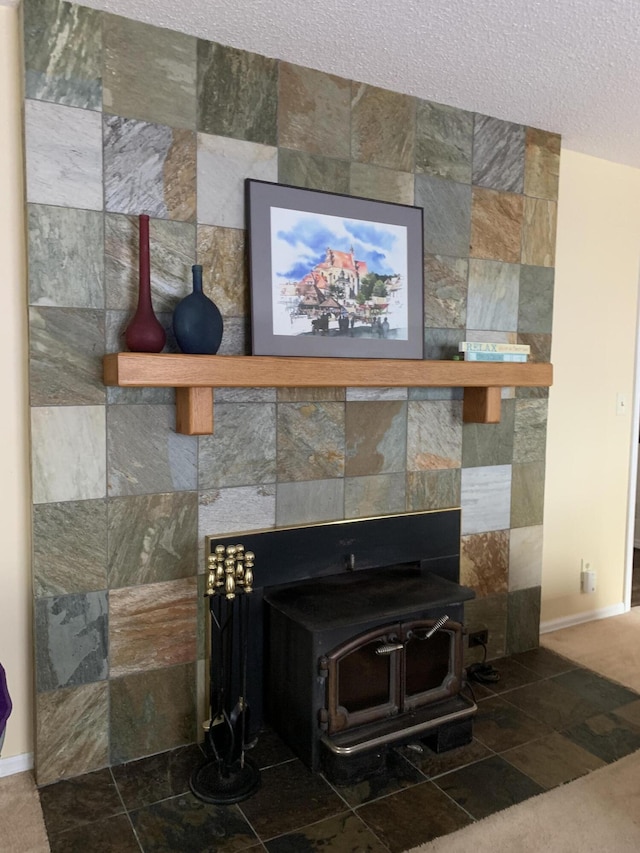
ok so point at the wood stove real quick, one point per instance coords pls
(361, 626)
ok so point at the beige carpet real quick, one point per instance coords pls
(22, 827)
(599, 812)
(610, 647)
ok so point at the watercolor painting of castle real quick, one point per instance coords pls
(335, 276)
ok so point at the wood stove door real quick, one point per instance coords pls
(363, 679)
(432, 665)
(390, 670)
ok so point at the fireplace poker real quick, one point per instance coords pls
(248, 588)
(229, 776)
(240, 712)
(220, 687)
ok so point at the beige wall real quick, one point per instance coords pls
(15, 594)
(594, 331)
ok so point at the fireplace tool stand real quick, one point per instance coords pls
(227, 775)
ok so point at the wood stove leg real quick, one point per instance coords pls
(450, 736)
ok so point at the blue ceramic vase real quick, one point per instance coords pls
(197, 322)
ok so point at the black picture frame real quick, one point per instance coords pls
(333, 275)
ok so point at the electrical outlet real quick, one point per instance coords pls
(478, 638)
(587, 576)
(588, 580)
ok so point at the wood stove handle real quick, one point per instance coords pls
(388, 648)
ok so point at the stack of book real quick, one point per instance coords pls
(488, 351)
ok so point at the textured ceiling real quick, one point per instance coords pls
(570, 66)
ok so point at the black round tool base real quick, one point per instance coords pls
(208, 783)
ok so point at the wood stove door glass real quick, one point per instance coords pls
(363, 685)
(433, 665)
(364, 679)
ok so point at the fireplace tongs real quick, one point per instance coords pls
(388, 648)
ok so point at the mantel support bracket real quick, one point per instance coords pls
(194, 411)
(482, 405)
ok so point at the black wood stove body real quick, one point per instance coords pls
(358, 638)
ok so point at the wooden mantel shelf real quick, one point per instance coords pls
(195, 376)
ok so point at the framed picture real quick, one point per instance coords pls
(333, 275)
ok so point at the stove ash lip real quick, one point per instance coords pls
(351, 599)
(415, 725)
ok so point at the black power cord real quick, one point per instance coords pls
(483, 672)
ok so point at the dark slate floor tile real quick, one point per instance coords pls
(630, 712)
(82, 800)
(158, 777)
(398, 774)
(500, 725)
(291, 796)
(478, 691)
(435, 764)
(553, 760)
(543, 662)
(344, 833)
(512, 674)
(596, 690)
(413, 817)
(552, 703)
(269, 749)
(296, 811)
(113, 835)
(606, 735)
(187, 824)
(488, 786)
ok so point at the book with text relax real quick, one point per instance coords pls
(496, 356)
(490, 346)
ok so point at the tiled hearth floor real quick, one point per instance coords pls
(544, 723)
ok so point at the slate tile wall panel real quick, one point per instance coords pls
(121, 502)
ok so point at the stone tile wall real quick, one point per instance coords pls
(122, 118)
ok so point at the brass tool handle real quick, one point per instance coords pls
(230, 571)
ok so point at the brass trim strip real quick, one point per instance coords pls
(335, 521)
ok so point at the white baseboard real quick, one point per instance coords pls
(16, 764)
(580, 618)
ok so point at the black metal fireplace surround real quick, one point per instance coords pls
(356, 639)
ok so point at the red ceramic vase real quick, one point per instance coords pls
(144, 333)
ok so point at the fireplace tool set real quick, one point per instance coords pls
(227, 775)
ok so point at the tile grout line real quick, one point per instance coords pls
(126, 811)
